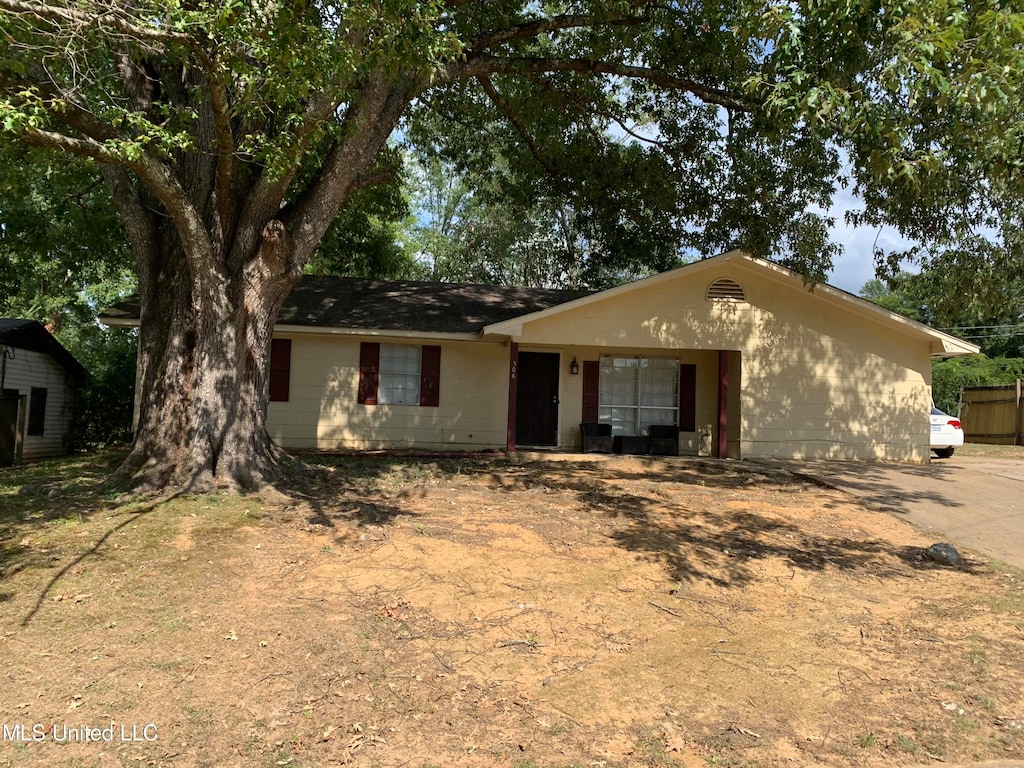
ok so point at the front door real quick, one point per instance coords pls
(537, 399)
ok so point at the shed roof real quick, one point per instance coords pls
(33, 336)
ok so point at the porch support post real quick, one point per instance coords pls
(723, 404)
(513, 386)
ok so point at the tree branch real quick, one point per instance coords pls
(72, 112)
(371, 180)
(505, 107)
(138, 220)
(367, 125)
(224, 185)
(264, 200)
(195, 238)
(86, 147)
(110, 18)
(107, 19)
(639, 137)
(488, 65)
(539, 27)
(160, 181)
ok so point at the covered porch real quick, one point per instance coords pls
(641, 398)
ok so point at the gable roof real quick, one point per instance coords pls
(392, 305)
(943, 344)
(33, 336)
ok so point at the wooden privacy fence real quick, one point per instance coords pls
(992, 414)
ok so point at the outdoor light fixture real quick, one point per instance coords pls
(574, 367)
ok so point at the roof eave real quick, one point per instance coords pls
(942, 344)
(943, 349)
(326, 330)
(32, 335)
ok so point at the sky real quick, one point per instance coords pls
(856, 266)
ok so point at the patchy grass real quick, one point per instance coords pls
(1015, 452)
(531, 613)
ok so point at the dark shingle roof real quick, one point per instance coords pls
(404, 305)
(33, 336)
(399, 305)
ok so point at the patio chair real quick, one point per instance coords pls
(597, 438)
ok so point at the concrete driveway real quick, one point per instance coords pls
(973, 503)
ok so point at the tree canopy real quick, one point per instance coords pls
(231, 135)
(62, 245)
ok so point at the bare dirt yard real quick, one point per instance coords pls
(522, 612)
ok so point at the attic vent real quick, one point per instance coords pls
(726, 289)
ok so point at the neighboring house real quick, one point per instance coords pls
(38, 382)
(731, 343)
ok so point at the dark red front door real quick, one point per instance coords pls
(537, 399)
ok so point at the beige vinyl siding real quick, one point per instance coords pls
(823, 383)
(29, 369)
(815, 379)
(323, 413)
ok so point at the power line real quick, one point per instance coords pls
(983, 327)
(987, 332)
(980, 336)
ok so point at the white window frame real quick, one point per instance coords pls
(398, 380)
(632, 409)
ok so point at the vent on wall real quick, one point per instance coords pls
(726, 289)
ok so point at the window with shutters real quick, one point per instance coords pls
(636, 392)
(399, 374)
(399, 382)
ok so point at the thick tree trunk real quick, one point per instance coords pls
(203, 347)
(218, 249)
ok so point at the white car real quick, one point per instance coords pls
(947, 433)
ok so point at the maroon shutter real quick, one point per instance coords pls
(280, 369)
(369, 372)
(430, 376)
(687, 398)
(591, 384)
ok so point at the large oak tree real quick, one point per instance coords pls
(231, 134)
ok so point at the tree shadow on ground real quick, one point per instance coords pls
(872, 482)
(35, 495)
(76, 491)
(128, 519)
(695, 536)
(340, 493)
(680, 513)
